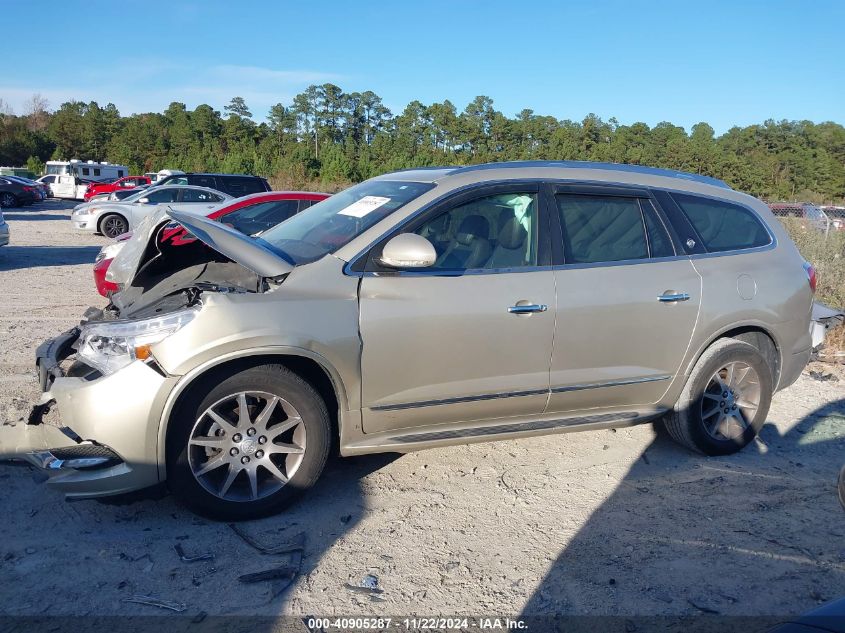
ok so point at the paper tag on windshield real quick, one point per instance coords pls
(364, 206)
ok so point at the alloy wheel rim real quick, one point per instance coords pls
(8, 200)
(114, 227)
(246, 446)
(730, 401)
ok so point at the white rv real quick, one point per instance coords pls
(72, 177)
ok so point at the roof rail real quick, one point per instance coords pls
(583, 164)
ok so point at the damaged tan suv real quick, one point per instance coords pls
(420, 309)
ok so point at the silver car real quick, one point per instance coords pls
(421, 309)
(113, 218)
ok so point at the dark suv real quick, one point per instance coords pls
(235, 185)
(14, 193)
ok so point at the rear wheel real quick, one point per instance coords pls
(250, 445)
(8, 200)
(725, 401)
(113, 225)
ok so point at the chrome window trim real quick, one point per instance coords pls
(347, 268)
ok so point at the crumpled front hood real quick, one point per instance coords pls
(125, 264)
(156, 269)
(233, 244)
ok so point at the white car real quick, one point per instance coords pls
(115, 218)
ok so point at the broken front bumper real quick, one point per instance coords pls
(93, 435)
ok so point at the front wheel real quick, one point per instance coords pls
(8, 200)
(113, 225)
(725, 401)
(248, 446)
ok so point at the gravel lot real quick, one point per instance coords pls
(588, 523)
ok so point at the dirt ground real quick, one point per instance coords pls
(586, 523)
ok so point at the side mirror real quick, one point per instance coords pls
(408, 250)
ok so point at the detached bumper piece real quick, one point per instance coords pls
(46, 441)
(81, 457)
(824, 318)
(49, 356)
(90, 433)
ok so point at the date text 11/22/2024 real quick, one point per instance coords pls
(415, 624)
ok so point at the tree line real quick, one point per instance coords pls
(327, 137)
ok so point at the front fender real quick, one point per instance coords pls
(195, 374)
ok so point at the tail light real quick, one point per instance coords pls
(812, 278)
(28, 188)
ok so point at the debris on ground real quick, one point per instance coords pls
(703, 609)
(280, 578)
(369, 584)
(296, 544)
(823, 377)
(152, 601)
(276, 573)
(191, 559)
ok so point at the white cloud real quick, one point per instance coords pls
(154, 84)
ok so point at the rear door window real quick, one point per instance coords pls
(723, 226)
(601, 229)
(165, 194)
(198, 195)
(659, 242)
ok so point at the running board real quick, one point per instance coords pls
(499, 429)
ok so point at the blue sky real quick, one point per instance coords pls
(727, 63)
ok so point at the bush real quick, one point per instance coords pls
(826, 253)
(35, 165)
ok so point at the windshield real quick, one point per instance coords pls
(337, 220)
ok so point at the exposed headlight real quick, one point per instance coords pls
(112, 346)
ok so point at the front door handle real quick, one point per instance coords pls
(528, 308)
(670, 297)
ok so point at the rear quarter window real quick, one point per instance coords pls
(723, 226)
(203, 181)
(241, 185)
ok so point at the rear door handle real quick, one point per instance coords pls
(671, 297)
(528, 308)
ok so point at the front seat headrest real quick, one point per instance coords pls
(512, 234)
(473, 226)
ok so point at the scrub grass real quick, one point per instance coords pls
(300, 180)
(828, 257)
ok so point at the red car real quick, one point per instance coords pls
(127, 182)
(250, 215)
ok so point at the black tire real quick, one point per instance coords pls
(272, 379)
(113, 224)
(8, 200)
(685, 424)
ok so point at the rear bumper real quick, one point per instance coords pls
(793, 365)
(4, 234)
(92, 435)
